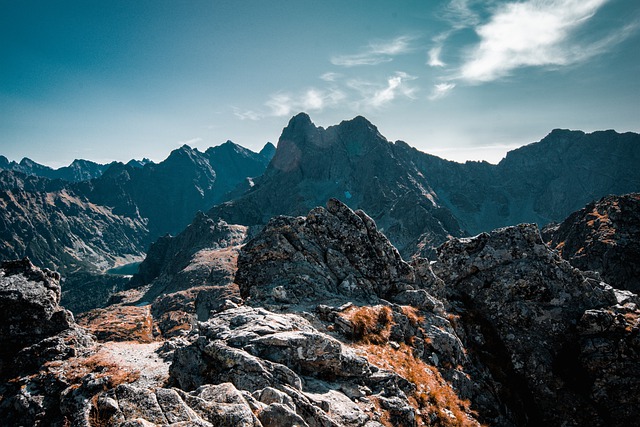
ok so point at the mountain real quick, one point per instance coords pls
(541, 182)
(420, 200)
(78, 170)
(96, 224)
(169, 193)
(352, 162)
(328, 326)
(604, 236)
(61, 229)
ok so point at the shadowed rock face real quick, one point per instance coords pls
(604, 237)
(332, 253)
(205, 253)
(34, 328)
(528, 316)
(169, 193)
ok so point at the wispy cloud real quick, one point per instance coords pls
(377, 95)
(376, 52)
(434, 57)
(284, 104)
(460, 14)
(246, 115)
(330, 76)
(533, 33)
(441, 90)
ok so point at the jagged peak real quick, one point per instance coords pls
(268, 151)
(300, 120)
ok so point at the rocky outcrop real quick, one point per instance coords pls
(604, 237)
(35, 332)
(205, 253)
(290, 372)
(419, 199)
(59, 229)
(333, 253)
(524, 310)
(35, 329)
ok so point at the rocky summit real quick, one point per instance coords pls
(603, 237)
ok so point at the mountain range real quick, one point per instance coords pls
(331, 281)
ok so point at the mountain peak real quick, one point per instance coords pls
(300, 121)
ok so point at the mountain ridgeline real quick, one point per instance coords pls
(301, 296)
(420, 200)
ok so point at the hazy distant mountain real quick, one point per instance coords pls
(78, 170)
(169, 193)
(60, 229)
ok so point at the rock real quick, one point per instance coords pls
(294, 372)
(333, 253)
(609, 353)
(37, 334)
(219, 405)
(33, 327)
(604, 237)
(525, 304)
(204, 254)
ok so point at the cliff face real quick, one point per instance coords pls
(540, 182)
(169, 193)
(604, 237)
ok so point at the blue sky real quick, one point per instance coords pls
(462, 79)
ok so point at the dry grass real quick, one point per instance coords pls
(102, 367)
(412, 314)
(119, 323)
(371, 325)
(437, 402)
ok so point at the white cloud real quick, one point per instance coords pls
(460, 15)
(532, 33)
(377, 95)
(280, 104)
(376, 53)
(441, 90)
(246, 115)
(434, 57)
(330, 76)
(284, 104)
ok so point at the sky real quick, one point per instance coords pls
(461, 79)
